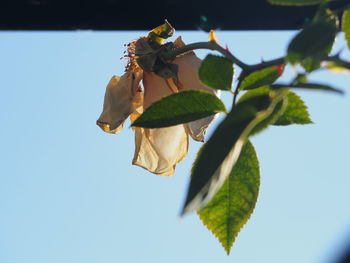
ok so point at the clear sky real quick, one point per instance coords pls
(68, 191)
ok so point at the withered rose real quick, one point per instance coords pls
(157, 150)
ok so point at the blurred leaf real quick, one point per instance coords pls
(261, 77)
(233, 204)
(300, 78)
(311, 86)
(323, 15)
(313, 41)
(338, 66)
(180, 108)
(296, 111)
(220, 153)
(274, 116)
(296, 2)
(346, 26)
(216, 72)
(310, 64)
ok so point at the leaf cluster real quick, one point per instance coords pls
(225, 177)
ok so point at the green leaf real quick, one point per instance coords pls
(346, 25)
(313, 41)
(233, 204)
(296, 2)
(296, 111)
(274, 116)
(300, 78)
(310, 64)
(311, 86)
(216, 72)
(323, 15)
(220, 153)
(261, 77)
(178, 108)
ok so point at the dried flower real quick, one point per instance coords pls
(157, 150)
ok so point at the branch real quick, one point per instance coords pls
(172, 54)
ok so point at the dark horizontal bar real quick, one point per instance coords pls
(134, 15)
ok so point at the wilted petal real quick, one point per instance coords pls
(159, 150)
(156, 88)
(188, 78)
(118, 100)
(137, 104)
(198, 128)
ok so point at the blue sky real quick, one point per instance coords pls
(68, 191)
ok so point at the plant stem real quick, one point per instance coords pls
(172, 54)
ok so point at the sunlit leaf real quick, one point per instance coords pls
(295, 113)
(233, 204)
(179, 108)
(338, 66)
(216, 72)
(313, 41)
(220, 153)
(261, 77)
(346, 25)
(296, 2)
(274, 116)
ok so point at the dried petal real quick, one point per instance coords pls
(159, 150)
(188, 78)
(156, 88)
(118, 100)
(137, 104)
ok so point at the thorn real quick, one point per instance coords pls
(280, 69)
(227, 50)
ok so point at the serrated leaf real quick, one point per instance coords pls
(346, 25)
(313, 41)
(310, 86)
(220, 153)
(261, 77)
(296, 111)
(182, 107)
(216, 72)
(275, 115)
(233, 204)
(296, 2)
